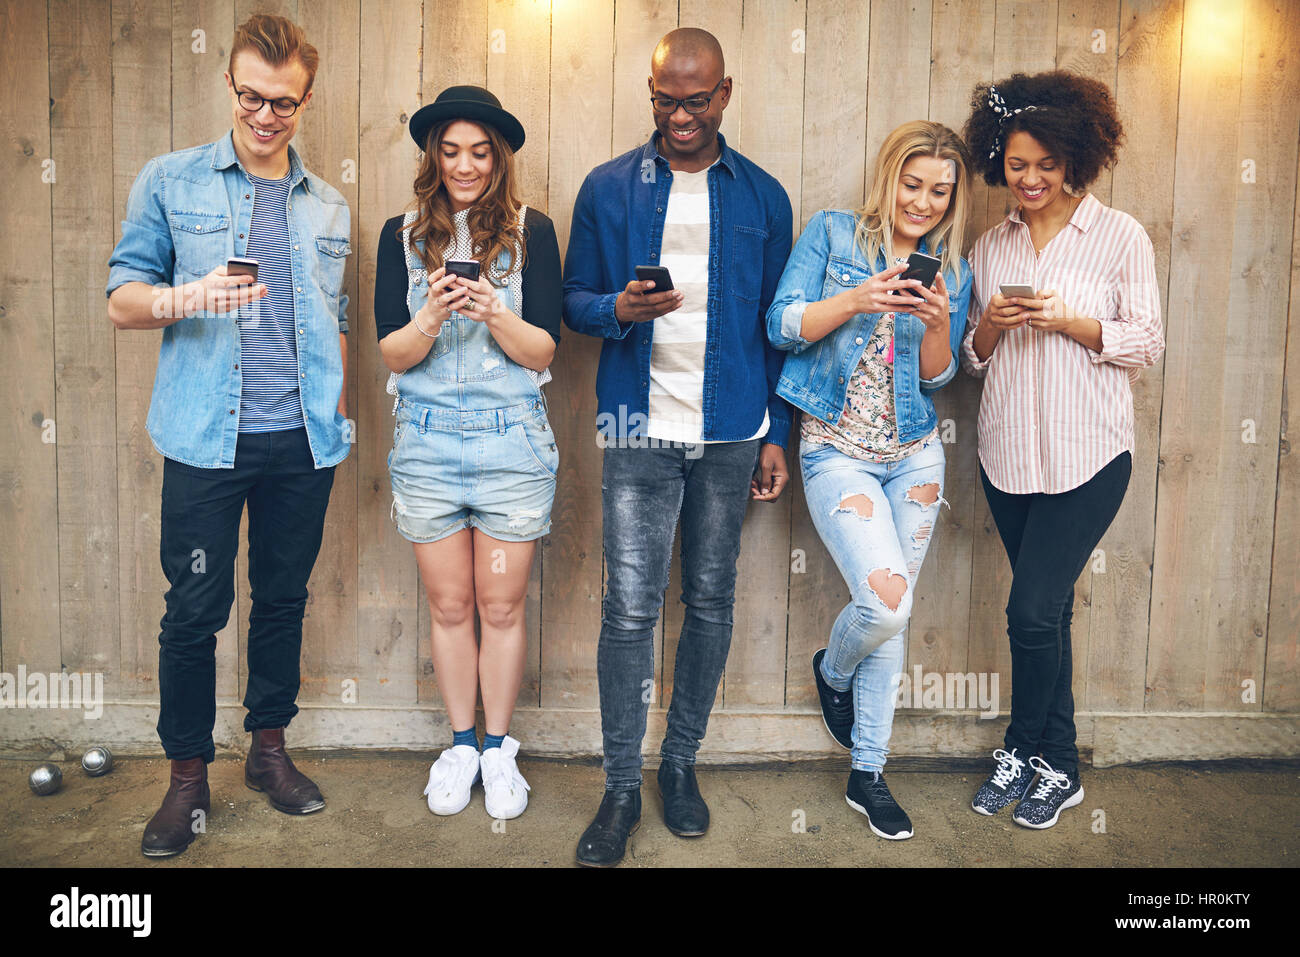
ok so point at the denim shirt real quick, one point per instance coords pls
(826, 261)
(188, 213)
(618, 224)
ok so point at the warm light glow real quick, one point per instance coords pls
(1212, 31)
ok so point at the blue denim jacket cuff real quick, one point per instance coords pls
(791, 325)
(121, 275)
(614, 329)
(941, 380)
(778, 428)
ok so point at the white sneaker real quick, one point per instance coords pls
(450, 779)
(505, 792)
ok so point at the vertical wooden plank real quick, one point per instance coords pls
(898, 73)
(584, 61)
(141, 87)
(773, 55)
(961, 55)
(1149, 47)
(638, 26)
(82, 144)
(29, 543)
(459, 26)
(387, 578)
(834, 167)
(518, 72)
(1220, 422)
(202, 32)
(1024, 40)
(327, 142)
(1282, 666)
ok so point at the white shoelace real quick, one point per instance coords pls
(1047, 778)
(503, 773)
(1008, 769)
(446, 771)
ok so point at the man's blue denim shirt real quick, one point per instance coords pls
(618, 224)
(188, 213)
(827, 261)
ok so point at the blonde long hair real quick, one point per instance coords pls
(493, 219)
(875, 232)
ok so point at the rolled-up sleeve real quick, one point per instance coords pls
(145, 252)
(1135, 338)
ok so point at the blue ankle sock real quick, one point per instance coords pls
(465, 737)
(492, 740)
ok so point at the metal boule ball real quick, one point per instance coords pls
(46, 779)
(98, 760)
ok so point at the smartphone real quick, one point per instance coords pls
(1017, 290)
(242, 267)
(922, 267)
(466, 268)
(656, 274)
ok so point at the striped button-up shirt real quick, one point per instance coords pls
(1054, 412)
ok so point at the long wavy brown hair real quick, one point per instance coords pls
(492, 220)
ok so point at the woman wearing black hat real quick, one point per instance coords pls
(467, 308)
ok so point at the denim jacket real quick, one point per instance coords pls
(188, 213)
(825, 262)
(618, 224)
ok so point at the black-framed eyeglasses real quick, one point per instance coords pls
(283, 108)
(663, 103)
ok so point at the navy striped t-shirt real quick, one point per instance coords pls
(269, 400)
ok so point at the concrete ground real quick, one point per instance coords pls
(1204, 815)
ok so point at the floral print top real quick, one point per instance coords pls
(867, 428)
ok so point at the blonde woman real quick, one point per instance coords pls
(866, 350)
(474, 460)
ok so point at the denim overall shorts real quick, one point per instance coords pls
(472, 445)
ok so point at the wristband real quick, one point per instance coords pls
(421, 328)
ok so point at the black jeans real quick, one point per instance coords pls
(201, 508)
(644, 491)
(1049, 539)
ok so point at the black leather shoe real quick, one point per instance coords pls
(685, 812)
(604, 841)
(178, 821)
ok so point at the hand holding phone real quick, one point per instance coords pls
(465, 268)
(922, 268)
(644, 298)
(1017, 290)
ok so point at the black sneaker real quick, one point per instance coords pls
(869, 794)
(837, 706)
(1055, 792)
(1006, 785)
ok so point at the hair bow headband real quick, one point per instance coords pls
(999, 106)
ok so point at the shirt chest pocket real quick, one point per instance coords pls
(201, 240)
(331, 258)
(841, 276)
(747, 262)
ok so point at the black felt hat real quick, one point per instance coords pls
(466, 103)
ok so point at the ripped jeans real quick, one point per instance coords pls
(876, 520)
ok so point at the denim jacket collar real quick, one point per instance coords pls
(224, 157)
(650, 153)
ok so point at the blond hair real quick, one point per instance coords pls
(277, 41)
(875, 232)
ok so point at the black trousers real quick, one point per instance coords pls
(1049, 540)
(286, 496)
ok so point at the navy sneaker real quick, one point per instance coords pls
(868, 793)
(837, 706)
(1055, 792)
(1008, 783)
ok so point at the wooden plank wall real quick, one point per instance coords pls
(1192, 604)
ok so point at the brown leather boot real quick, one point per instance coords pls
(176, 824)
(270, 769)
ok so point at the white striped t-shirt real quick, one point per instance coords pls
(677, 348)
(1054, 412)
(269, 400)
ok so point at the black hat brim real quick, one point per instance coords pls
(427, 117)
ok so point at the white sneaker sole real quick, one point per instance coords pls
(507, 814)
(1069, 802)
(900, 836)
(447, 810)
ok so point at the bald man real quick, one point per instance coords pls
(688, 414)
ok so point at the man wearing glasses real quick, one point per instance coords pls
(688, 412)
(247, 407)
